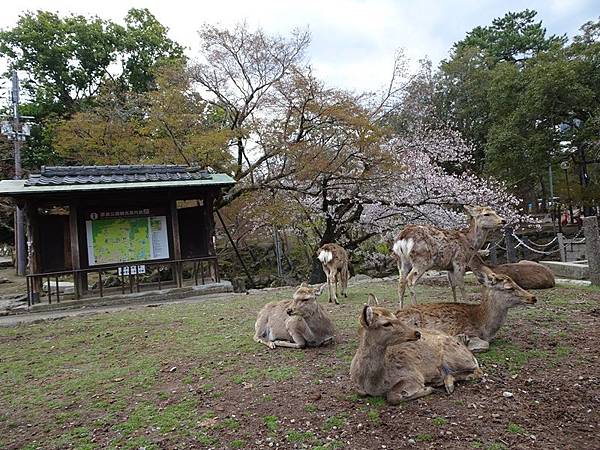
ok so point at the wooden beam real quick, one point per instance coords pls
(78, 278)
(33, 248)
(176, 242)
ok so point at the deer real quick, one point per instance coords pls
(475, 324)
(297, 323)
(527, 274)
(402, 363)
(335, 263)
(419, 248)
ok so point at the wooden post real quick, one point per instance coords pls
(80, 284)
(511, 252)
(592, 248)
(176, 243)
(493, 253)
(33, 254)
(561, 246)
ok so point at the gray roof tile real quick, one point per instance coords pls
(78, 175)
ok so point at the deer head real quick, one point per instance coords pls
(504, 289)
(382, 327)
(304, 303)
(485, 217)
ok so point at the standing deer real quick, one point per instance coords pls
(335, 265)
(477, 324)
(296, 323)
(527, 274)
(423, 247)
(402, 363)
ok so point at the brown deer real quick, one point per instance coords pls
(527, 274)
(297, 323)
(402, 363)
(423, 247)
(476, 324)
(334, 259)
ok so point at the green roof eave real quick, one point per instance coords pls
(17, 188)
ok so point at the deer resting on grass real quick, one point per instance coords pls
(423, 247)
(475, 324)
(297, 323)
(334, 259)
(401, 363)
(527, 274)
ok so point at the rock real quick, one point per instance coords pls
(359, 278)
(507, 394)
(66, 287)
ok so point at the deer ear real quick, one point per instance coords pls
(304, 284)
(372, 300)
(367, 316)
(468, 209)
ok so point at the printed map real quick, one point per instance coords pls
(120, 240)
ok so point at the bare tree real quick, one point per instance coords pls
(238, 70)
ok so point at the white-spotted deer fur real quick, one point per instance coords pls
(527, 274)
(335, 265)
(476, 324)
(402, 363)
(296, 323)
(423, 247)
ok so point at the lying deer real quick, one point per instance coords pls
(296, 323)
(396, 360)
(476, 324)
(334, 259)
(423, 247)
(527, 274)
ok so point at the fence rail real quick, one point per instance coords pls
(47, 285)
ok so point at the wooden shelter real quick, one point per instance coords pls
(117, 227)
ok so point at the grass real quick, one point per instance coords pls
(373, 416)
(504, 353)
(70, 378)
(425, 437)
(271, 422)
(439, 421)
(515, 429)
(335, 422)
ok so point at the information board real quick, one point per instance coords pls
(125, 239)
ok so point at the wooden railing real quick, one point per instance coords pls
(46, 286)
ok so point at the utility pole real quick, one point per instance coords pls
(17, 133)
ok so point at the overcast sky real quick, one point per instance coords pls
(353, 41)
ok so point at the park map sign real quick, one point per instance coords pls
(123, 236)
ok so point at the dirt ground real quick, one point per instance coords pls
(190, 376)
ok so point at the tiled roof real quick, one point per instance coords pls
(82, 175)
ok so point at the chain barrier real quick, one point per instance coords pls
(533, 249)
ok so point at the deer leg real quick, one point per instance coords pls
(478, 345)
(345, 275)
(332, 280)
(286, 344)
(269, 344)
(449, 383)
(300, 332)
(328, 340)
(412, 279)
(452, 281)
(403, 270)
(407, 390)
(329, 284)
(459, 280)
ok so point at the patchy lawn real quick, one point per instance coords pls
(190, 376)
